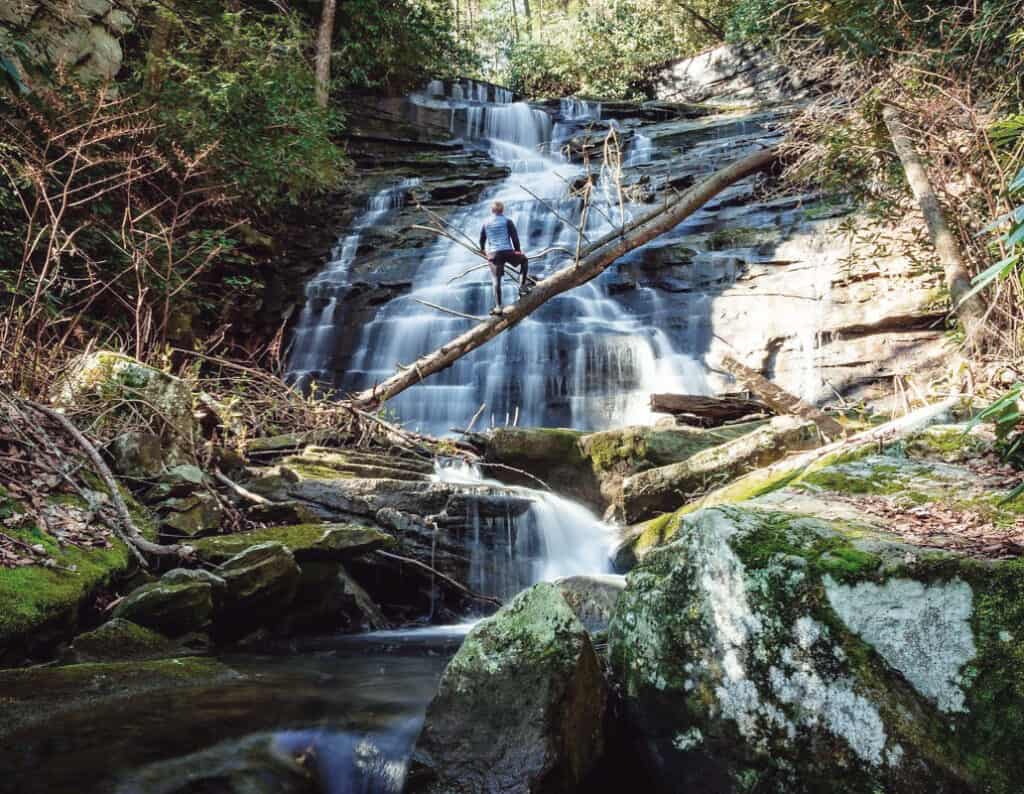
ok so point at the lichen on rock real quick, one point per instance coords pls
(764, 648)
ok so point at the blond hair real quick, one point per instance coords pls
(497, 207)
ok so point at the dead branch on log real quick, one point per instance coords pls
(127, 530)
(780, 400)
(443, 577)
(596, 259)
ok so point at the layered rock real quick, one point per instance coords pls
(520, 708)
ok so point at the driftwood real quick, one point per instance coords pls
(778, 399)
(593, 260)
(970, 309)
(696, 409)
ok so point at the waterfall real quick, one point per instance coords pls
(554, 538)
(316, 328)
(580, 361)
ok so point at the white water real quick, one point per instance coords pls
(555, 538)
(580, 361)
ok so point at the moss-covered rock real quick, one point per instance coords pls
(261, 584)
(520, 707)
(41, 606)
(327, 542)
(190, 516)
(120, 640)
(169, 607)
(771, 651)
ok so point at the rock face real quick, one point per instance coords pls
(82, 35)
(791, 644)
(520, 707)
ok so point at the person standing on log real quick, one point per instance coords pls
(500, 241)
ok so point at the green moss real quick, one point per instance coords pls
(739, 237)
(304, 540)
(995, 699)
(826, 552)
(606, 450)
(38, 599)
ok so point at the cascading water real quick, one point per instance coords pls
(580, 361)
(317, 325)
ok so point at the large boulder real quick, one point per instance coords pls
(784, 651)
(118, 387)
(173, 607)
(520, 707)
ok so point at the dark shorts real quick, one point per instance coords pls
(502, 258)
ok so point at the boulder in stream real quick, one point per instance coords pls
(261, 584)
(769, 648)
(172, 607)
(520, 708)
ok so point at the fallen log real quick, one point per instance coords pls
(780, 400)
(702, 411)
(969, 308)
(594, 259)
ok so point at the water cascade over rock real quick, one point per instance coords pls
(582, 361)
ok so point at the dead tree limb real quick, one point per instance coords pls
(778, 399)
(447, 579)
(707, 411)
(594, 260)
(970, 309)
(127, 530)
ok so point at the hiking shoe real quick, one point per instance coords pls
(524, 291)
(496, 311)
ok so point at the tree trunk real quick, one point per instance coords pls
(780, 400)
(158, 41)
(324, 39)
(706, 23)
(596, 258)
(970, 312)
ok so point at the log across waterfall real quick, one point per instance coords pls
(585, 361)
(598, 256)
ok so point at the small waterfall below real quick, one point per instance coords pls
(554, 538)
(581, 361)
